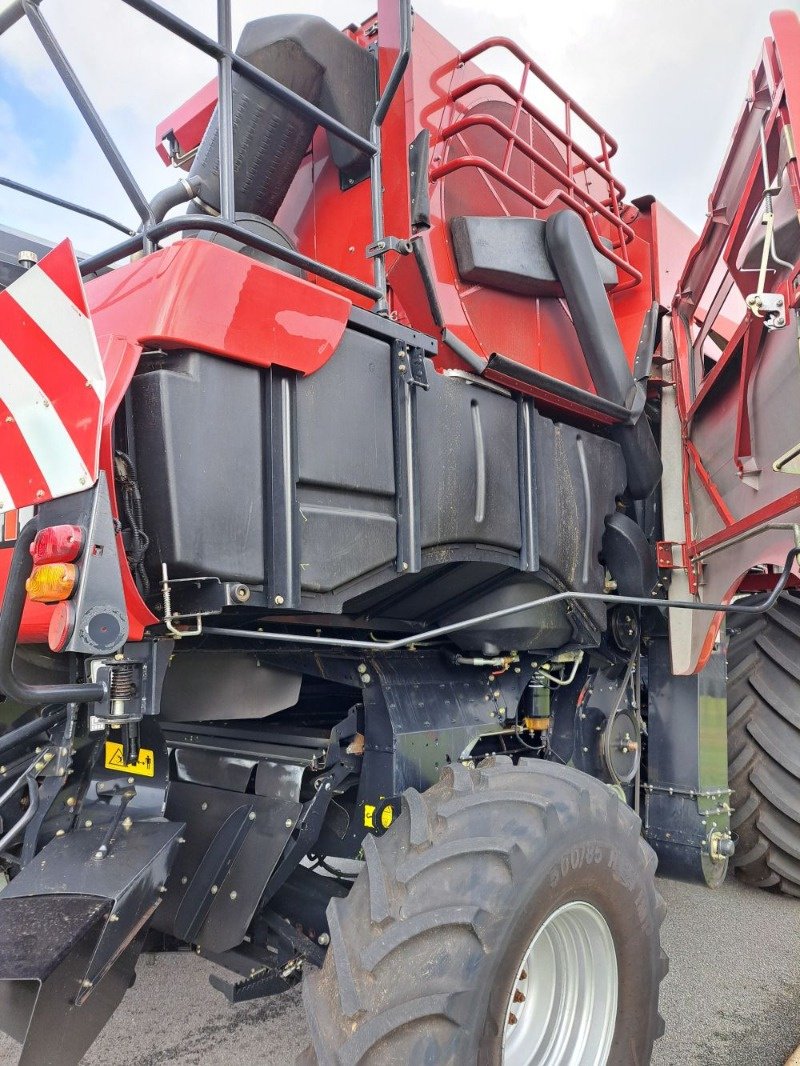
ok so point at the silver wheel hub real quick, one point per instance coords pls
(563, 1006)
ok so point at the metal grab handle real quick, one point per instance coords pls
(10, 619)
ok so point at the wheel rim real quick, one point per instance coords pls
(563, 1007)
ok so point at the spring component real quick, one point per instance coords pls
(122, 682)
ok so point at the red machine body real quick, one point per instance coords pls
(494, 152)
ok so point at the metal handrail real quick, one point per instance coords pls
(67, 205)
(542, 75)
(152, 230)
(159, 231)
(589, 206)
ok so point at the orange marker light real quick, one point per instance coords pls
(51, 582)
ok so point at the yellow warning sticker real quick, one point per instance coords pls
(369, 815)
(144, 765)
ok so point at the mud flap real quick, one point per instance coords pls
(72, 925)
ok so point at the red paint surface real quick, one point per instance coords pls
(195, 294)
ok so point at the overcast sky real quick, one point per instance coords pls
(666, 77)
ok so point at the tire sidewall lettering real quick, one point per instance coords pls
(590, 853)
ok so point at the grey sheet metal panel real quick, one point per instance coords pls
(233, 843)
(206, 686)
(686, 795)
(47, 942)
(131, 876)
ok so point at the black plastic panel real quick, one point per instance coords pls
(468, 465)
(197, 424)
(354, 489)
(345, 465)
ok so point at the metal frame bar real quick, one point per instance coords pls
(505, 612)
(68, 205)
(76, 90)
(221, 50)
(376, 161)
(220, 225)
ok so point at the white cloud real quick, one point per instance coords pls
(666, 79)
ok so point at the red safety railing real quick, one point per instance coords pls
(576, 175)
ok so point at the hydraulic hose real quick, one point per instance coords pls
(31, 729)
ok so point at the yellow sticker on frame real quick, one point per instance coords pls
(115, 760)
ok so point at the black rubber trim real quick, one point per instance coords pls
(463, 351)
(424, 267)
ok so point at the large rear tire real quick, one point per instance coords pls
(498, 890)
(764, 745)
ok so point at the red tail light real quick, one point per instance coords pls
(57, 544)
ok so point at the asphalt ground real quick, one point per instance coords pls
(731, 998)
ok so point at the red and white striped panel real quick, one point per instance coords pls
(52, 385)
(12, 522)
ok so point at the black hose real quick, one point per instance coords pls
(179, 193)
(31, 729)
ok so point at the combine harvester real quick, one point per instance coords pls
(392, 513)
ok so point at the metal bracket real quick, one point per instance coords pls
(388, 244)
(770, 306)
(674, 555)
(411, 364)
